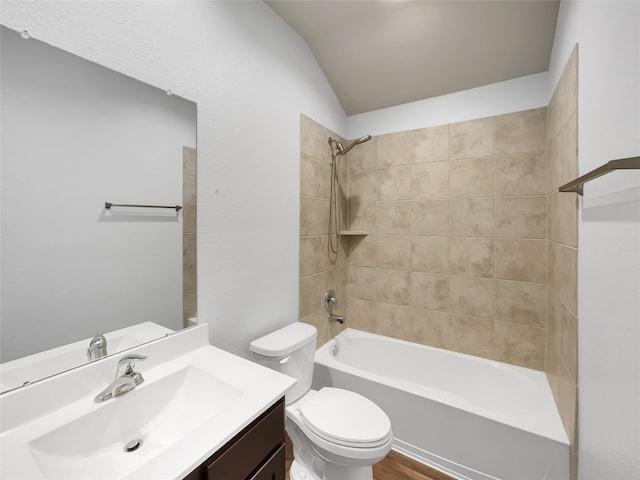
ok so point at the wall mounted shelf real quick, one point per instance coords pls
(577, 185)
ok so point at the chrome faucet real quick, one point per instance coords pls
(331, 302)
(126, 379)
(97, 347)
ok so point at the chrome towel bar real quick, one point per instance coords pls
(108, 205)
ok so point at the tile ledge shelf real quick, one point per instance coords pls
(354, 233)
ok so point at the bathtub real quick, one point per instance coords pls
(471, 418)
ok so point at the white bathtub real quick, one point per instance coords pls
(466, 416)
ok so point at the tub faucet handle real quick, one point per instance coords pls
(330, 301)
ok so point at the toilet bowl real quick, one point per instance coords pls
(336, 434)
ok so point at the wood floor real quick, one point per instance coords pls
(398, 467)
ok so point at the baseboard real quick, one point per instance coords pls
(455, 470)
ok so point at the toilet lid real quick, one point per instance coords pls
(346, 418)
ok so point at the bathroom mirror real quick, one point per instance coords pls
(76, 135)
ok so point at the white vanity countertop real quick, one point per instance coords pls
(43, 413)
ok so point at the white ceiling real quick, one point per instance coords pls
(378, 54)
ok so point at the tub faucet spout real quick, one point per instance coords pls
(336, 318)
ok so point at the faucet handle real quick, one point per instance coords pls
(126, 363)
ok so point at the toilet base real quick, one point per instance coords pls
(331, 472)
(298, 472)
(339, 472)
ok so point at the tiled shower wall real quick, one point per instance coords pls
(320, 270)
(462, 221)
(562, 338)
(456, 252)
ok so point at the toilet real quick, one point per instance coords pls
(336, 434)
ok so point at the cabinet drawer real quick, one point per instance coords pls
(273, 469)
(251, 449)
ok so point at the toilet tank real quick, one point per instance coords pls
(289, 350)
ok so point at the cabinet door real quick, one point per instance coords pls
(273, 469)
(251, 450)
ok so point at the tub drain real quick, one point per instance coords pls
(133, 445)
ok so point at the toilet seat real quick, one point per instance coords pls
(345, 418)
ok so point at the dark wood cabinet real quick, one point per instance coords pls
(256, 453)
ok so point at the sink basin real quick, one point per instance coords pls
(157, 414)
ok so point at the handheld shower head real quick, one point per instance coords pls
(343, 151)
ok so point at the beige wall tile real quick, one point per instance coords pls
(552, 252)
(314, 216)
(472, 139)
(429, 327)
(393, 320)
(429, 290)
(471, 335)
(567, 399)
(394, 252)
(430, 259)
(521, 217)
(472, 296)
(363, 185)
(563, 222)
(394, 183)
(362, 216)
(393, 217)
(313, 255)
(472, 217)
(564, 101)
(189, 161)
(524, 131)
(520, 344)
(566, 166)
(393, 286)
(189, 306)
(315, 177)
(312, 289)
(189, 246)
(394, 149)
(189, 219)
(521, 174)
(472, 178)
(568, 339)
(314, 139)
(363, 252)
(566, 276)
(429, 180)
(189, 277)
(430, 144)
(430, 254)
(552, 159)
(521, 302)
(362, 314)
(472, 256)
(364, 156)
(189, 189)
(524, 260)
(430, 217)
(361, 282)
(319, 270)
